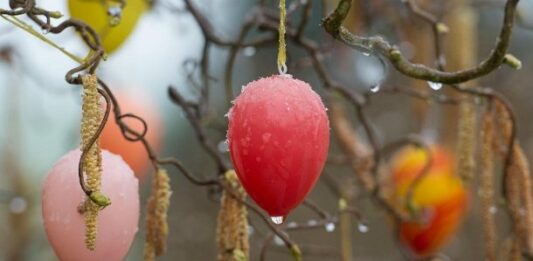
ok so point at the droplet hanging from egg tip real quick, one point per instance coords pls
(278, 220)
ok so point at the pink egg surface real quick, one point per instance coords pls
(117, 223)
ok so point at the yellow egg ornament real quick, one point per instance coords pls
(112, 21)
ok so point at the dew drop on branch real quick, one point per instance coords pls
(362, 227)
(435, 85)
(223, 146)
(278, 241)
(375, 88)
(18, 205)
(311, 222)
(251, 230)
(249, 51)
(330, 227)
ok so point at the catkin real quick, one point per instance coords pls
(519, 182)
(232, 222)
(524, 186)
(156, 219)
(510, 249)
(504, 122)
(513, 203)
(92, 167)
(466, 140)
(487, 187)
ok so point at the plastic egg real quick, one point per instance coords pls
(134, 153)
(65, 226)
(96, 15)
(440, 196)
(278, 138)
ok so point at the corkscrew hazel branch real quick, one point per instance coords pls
(201, 135)
(333, 25)
(439, 30)
(421, 95)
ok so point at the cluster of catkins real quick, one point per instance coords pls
(232, 222)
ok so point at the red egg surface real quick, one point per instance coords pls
(65, 226)
(278, 138)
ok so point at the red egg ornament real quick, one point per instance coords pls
(117, 223)
(278, 138)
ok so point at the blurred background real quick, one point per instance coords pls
(40, 114)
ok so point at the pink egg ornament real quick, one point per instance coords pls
(117, 223)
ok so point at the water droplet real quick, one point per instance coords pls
(493, 209)
(362, 227)
(330, 227)
(114, 11)
(115, 14)
(365, 53)
(435, 85)
(277, 220)
(18, 205)
(311, 222)
(278, 241)
(249, 51)
(228, 115)
(375, 88)
(251, 230)
(223, 146)
(266, 136)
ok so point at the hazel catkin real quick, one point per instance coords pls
(232, 222)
